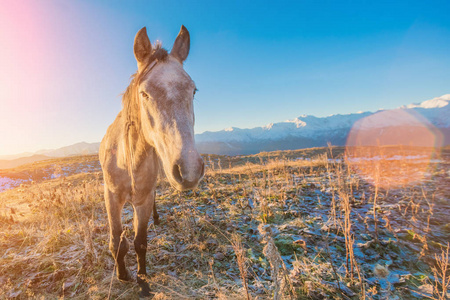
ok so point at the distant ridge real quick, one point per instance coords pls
(14, 156)
(82, 148)
(8, 164)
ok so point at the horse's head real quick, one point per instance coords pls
(165, 95)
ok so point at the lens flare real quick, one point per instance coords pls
(392, 149)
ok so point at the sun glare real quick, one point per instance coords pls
(393, 149)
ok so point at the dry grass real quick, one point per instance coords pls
(279, 225)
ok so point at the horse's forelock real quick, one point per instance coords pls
(158, 54)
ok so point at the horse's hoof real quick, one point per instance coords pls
(144, 293)
(124, 276)
(144, 288)
(156, 221)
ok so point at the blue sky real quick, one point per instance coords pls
(253, 62)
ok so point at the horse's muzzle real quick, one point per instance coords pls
(187, 175)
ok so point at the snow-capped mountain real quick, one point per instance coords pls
(309, 131)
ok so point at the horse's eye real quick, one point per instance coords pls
(145, 95)
(195, 90)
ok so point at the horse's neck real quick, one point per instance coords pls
(139, 146)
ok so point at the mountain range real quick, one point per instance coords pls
(83, 148)
(403, 123)
(309, 131)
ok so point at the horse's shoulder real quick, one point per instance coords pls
(110, 144)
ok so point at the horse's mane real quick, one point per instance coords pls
(131, 110)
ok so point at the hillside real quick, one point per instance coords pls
(304, 224)
(7, 164)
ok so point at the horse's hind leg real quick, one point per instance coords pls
(142, 213)
(155, 213)
(118, 244)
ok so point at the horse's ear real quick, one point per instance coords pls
(142, 48)
(180, 49)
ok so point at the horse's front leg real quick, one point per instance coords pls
(155, 213)
(118, 243)
(142, 213)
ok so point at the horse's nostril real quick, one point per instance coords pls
(177, 173)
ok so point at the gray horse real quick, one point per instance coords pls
(155, 128)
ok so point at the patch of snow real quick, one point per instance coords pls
(413, 158)
(298, 123)
(268, 126)
(437, 102)
(399, 157)
(334, 160)
(8, 183)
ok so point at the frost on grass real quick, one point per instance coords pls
(284, 225)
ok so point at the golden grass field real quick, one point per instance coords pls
(301, 224)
